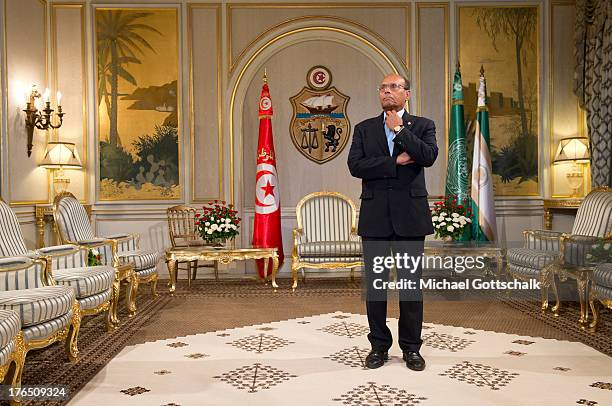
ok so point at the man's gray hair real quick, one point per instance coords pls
(406, 82)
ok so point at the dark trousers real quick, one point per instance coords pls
(410, 300)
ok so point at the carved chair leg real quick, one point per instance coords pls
(114, 302)
(582, 291)
(557, 306)
(110, 325)
(154, 286)
(136, 284)
(72, 348)
(544, 294)
(294, 274)
(130, 304)
(595, 310)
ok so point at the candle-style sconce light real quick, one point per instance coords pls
(39, 117)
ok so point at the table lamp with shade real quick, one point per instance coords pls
(60, 156)
(574, 150)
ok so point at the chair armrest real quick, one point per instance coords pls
(126, 242)
(543, 240)
(64, 256)
(297, 240)
(24, 272)
(354, 236)
(574, 248)
(106, 248)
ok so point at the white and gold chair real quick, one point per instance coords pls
(326, 234)
(117, 250)
(93, 285)
(183, 233)
(549, 253)
(48, 312)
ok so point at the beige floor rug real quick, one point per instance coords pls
(318, 360)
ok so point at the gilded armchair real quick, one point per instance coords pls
(325, 236)
(183, 233)
(49, 312)
(119, 251)
(550, 253)
(93, 285)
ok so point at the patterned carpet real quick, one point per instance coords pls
(319, 360)
(210, 306)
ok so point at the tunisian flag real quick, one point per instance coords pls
(267, 227)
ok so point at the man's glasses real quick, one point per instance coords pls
(393, 86)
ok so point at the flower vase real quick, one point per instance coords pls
(218, 243)
(447, 240)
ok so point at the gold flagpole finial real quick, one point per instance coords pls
(265, 78)
(481, 70)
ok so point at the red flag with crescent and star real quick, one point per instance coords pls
(267, 226)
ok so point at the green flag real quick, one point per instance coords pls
(457, 169)
(484, 225)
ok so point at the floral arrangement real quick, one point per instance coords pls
(218, 222)
(449, 218)
(600, 251)
(93, 257)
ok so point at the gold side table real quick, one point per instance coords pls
(223, 256)
(126, 273)
(551, 205)
(44, 216)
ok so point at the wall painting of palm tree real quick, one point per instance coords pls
(504, 40)
(138, 117)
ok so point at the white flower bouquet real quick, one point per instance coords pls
(218, 223)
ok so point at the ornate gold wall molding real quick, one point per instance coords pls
(309, 6)
(580, 117)
(444, 6)
(190, 8)
(54, 69)
(44, 24)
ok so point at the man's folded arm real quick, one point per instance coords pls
(360, 166)
(423, 151)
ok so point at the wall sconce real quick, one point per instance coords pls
(574, 150)
(60, 156)
(41, 119)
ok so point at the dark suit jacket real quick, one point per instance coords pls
(393, 197)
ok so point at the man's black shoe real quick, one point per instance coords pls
(414, 360)
(376, 359)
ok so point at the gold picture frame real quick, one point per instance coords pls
(138, 103)
(511, 60)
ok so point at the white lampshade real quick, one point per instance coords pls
(61, 155)
(573, 149)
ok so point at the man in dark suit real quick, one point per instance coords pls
(389, 153)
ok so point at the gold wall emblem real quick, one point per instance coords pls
(319, 126)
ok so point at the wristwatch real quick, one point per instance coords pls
(397, 128)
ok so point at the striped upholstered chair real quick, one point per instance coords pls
(74, 228)
(93, 285)
(48, 312)
(549, 253)
(601, 290)
(12, 354)
(326, 235)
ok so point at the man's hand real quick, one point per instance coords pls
(393, 120)
(403, 159)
